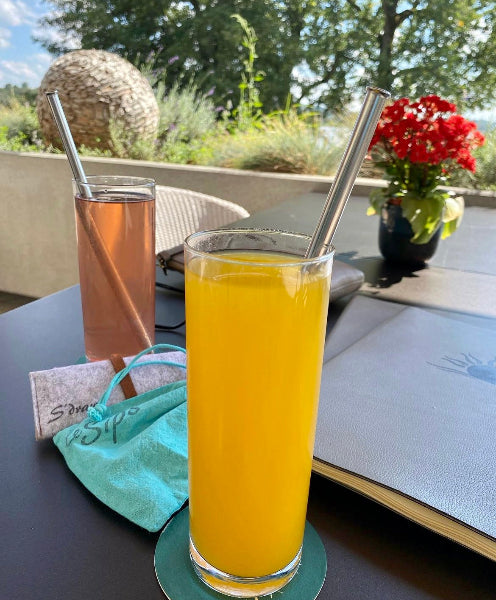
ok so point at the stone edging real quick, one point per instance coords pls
(208, 180)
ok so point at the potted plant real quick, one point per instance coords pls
(419, 145)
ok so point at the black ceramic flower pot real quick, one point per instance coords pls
(395, 233)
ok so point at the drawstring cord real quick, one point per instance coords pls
(100, 410)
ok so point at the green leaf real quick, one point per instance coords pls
(449, 227)
(453, 213)
(424, 215)
(377, 198)
(454, 207)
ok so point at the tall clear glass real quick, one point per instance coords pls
(256, 315)
(115, 225)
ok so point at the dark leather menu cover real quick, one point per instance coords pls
(345, 279)
(361, 316)
(408, 417)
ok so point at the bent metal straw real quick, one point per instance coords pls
(96, 240)
(340, 191)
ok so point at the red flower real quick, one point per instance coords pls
(427, 132)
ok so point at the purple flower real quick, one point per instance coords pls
(173, 59)
(219, 108)
(210, 92)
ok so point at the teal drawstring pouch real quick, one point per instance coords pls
(133, 455)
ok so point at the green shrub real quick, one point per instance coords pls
(485, 174)
(248, 113)
(22, 93)
(283, 143)
(87, 151)
(20, 126)
(126, 145)
(185, 114)
(484, 177)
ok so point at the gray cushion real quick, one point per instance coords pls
(345, 278)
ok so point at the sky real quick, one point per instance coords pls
(21, 59)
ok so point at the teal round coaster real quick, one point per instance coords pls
(179, 581)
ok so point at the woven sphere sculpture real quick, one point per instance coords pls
(96, 88)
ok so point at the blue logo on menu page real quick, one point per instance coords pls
(470, 366)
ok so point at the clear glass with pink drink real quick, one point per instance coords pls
(115, 225)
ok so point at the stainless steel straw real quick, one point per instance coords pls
(90, 228)
(355, 152)
(68, 142)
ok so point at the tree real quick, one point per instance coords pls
(23, 94)
(448, 49)
(186, 40)
(411, 48)
(324, 52)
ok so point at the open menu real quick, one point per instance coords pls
(407, 417)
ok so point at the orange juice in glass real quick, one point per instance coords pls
(256, 314)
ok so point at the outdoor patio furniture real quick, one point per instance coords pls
(180, 212)
(57, 535)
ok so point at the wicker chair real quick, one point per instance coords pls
(181, 212)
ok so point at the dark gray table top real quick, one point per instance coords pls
(470, 248)
(460, 277)
(59, 542)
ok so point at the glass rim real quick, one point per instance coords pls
(301, 260)
(122, 181)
